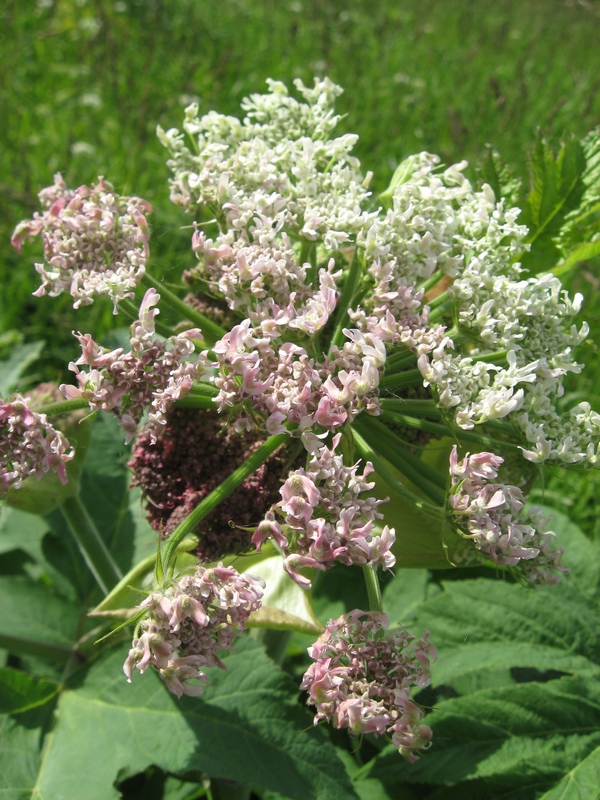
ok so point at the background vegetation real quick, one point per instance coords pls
(84, 83)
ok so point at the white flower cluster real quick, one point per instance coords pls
(513, 338)
(278, 161)
(95, 241)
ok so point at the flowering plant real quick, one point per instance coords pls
(353, 383)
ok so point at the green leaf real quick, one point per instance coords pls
(557, 188)
(580, 253)
(35, 619)
(496, 172)
(11, 370)
(19, 692)
(20, 754)
(581, 783)
(247, 727)
(285, 605)
(531, 731)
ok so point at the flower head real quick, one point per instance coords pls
(493, 517)
(95, 241)
(150, 377)
(29, 445)
(188, 622)
(362, 678)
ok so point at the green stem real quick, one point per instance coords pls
(212, 500)
(441, 308)
(195, 401)
(425, 408)
(392, 481)
(400, 360)
(210, 330)
(373, 589)
(438, 301)
(412, 377)
(392, 448)
(64, 407)
(443, 430)
(206, 389)
(90, 543)
(348, 293)
(431, 281)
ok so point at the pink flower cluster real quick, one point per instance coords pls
(29, 445)
(152, 376)
(278, 380)
(492, 516)
(362, 677)
(326, 520)
(189, 621)
(95, 241)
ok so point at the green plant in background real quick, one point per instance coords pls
(390, 378)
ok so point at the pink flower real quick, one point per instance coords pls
(29, 445)
(95, 241)
(362, 677)
(188, 621)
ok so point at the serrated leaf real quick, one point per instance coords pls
(557, 188)
(532, 731)
(247, 727)
(580, 253)
(35, 619)
(581, 783)
(20, 756)
(496, 172)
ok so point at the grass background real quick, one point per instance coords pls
(84, 83)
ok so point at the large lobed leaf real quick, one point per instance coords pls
(247, 727)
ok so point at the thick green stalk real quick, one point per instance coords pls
(222, 491)
(418, 408)
(373, 589)
(443, 430)
(392, 481)
(195, 401)
(400, 360)
(440, 308)
(391, 447)
(348, 293)
(431, 281)
(95, 552)
(64, 407)
(210, 330)
(411, 377)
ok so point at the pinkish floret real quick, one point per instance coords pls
(29, 445)
(189, 621)
(362, 677)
